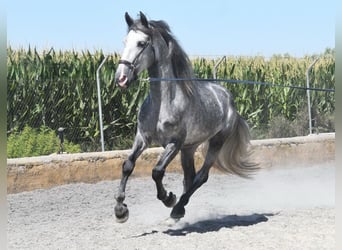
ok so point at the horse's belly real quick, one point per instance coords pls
(197, 134)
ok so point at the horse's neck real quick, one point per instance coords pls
(162, 91)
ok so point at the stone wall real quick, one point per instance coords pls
(25, 174)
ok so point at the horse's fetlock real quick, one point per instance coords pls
(157, 174)
(162, 195)
(120, 197)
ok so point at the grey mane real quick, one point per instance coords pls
(181, 64)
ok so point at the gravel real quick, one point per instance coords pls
(280, 208)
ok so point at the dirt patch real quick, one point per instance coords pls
(281, 208)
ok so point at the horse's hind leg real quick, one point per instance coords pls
(201, 176)
(158, 171)
(188, 165)
(121, 210)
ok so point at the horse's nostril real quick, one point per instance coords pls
(122, 81)
(122, 78)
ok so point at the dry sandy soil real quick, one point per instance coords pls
(284, 208)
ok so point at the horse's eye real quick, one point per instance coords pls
(141, 44)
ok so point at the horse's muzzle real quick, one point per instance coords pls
(122, 81)
(124, 76)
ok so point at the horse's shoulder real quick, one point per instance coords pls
(145, 108)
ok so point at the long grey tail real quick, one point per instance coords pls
(234, 155)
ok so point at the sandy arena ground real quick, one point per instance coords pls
(284, 208)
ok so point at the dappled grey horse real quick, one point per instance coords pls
(178, 115)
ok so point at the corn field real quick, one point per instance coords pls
(58, 89)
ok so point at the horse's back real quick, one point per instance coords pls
(214, 102)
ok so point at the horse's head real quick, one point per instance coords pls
(138, 53)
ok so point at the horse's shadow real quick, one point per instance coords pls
(214, 225)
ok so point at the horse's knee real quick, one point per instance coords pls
(127, 167)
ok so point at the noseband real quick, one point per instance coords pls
(131, 65)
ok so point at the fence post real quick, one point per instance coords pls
(216, 65)
(308, 93)
(61, 140)
(99, 100)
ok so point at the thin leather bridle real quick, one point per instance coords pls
(132, 65)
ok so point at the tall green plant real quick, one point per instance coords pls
(36, 142)
(58, 89)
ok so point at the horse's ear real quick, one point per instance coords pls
(129, 20)
(143, 19)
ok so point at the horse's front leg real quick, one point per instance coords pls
(121, 210)
(158, 171)
(188, 165)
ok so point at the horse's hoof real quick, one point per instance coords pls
(170, 222)
(121, 213)
(177, 213)
(170, 200)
